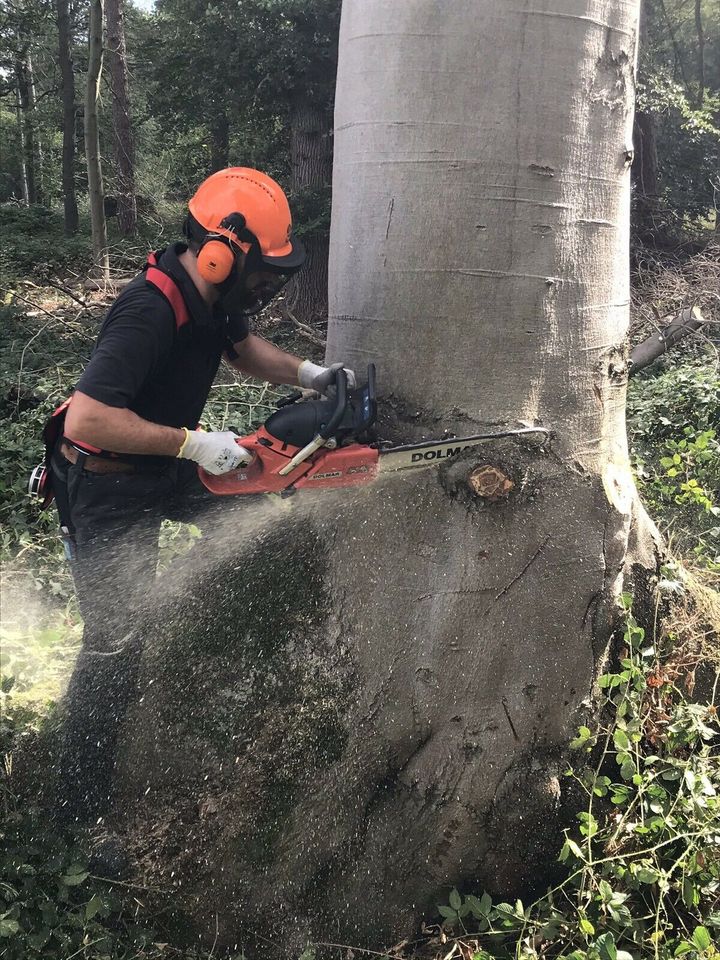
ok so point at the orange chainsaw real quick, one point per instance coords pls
(327, 443)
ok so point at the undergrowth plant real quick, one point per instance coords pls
(674, 432)
(643, 861)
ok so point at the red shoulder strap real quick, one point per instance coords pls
(169, 288)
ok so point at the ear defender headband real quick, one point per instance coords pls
(217, 255)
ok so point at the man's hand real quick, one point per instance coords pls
(217, 452)
(314, 377)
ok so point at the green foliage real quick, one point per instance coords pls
(39, 655)
(643, 865)
(39, 362)
(674, 431)
(33, 242)
(688, 140)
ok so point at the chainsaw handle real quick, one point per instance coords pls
(291, 398)
(340, 404)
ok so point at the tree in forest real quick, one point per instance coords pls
(27, 106)
(307, 56)
(677, 136)
(263, 79)
(122, 126)
(22, 29)
(65, 59)
(92, 140)
(373, 702)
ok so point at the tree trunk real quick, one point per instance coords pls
(92, 141)
(675, 327)
(311, 164)
(37, 142)
(679, 59)
(122, 126)
(219, 140)
(644, 172)
(382, 705)
(23, 76)
(21, 147)
(68, 98)
(701, 52)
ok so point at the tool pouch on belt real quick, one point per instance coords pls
(40, 484)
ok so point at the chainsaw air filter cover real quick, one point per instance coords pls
(297, 424)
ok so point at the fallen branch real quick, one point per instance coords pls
(68, 293)
(303, 329)
(61, 320)
(645, 353)
(108, 287)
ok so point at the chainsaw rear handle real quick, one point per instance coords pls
(340, 403)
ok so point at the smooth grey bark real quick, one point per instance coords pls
(92, 141)
(122, 124)
(70, 209)
(368, 698)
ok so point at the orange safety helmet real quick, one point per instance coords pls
(239, 209)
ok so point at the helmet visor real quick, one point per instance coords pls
(262, 287)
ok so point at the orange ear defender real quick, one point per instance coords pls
(216, 259)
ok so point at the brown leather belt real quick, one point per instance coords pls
(95, 464)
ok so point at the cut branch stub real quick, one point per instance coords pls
(490, 483)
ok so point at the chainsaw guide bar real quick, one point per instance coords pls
(414, 455)
(315, 444)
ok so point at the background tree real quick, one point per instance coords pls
(92, 139)
(23, 36)
(122, 126)
(65, 60)
(679, 101)
(263, 78)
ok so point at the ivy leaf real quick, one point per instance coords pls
(74, 879)
(92, 907)
(455, 900)
(8, 927)
(606, 946)
(38, 940)
(701, 938)
(620, 740)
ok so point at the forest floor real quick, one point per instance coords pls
(661, 696)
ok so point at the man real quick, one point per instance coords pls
(129, 450)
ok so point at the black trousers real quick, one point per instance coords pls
(110, 527)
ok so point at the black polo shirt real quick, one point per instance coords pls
(143, 362)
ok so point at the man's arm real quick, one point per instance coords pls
(118, 429)
(265, 361)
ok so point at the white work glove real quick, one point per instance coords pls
(311, 376)
(217, 452)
